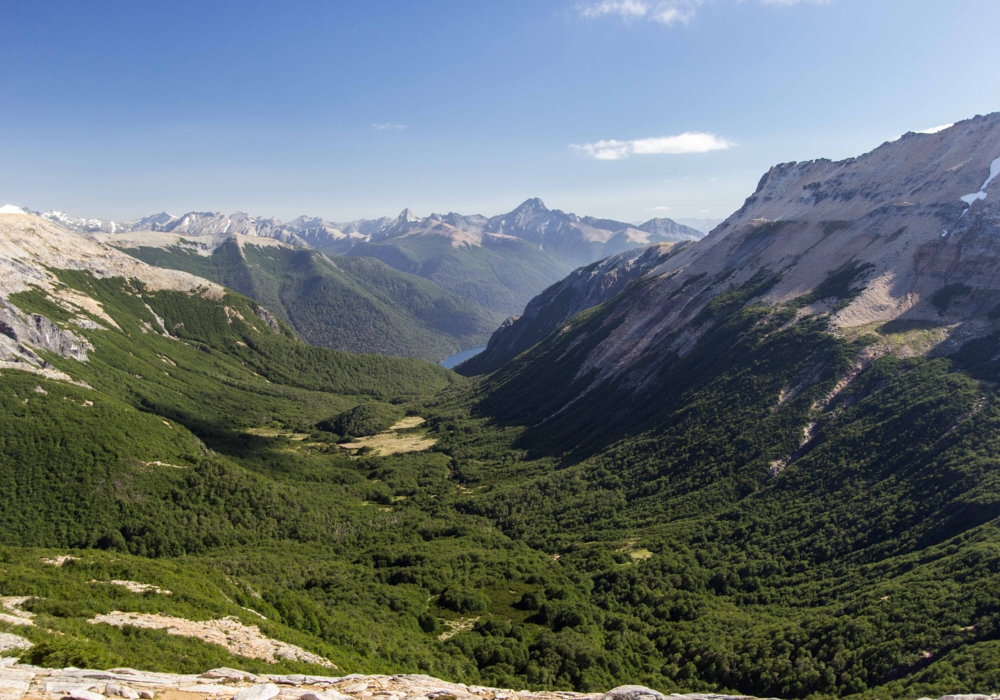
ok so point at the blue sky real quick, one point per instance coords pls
(350, 109)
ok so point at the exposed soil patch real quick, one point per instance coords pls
(463, 624)
(136, 587)
(407, 423)
(59, 560)
(228, 632)
(392, 441)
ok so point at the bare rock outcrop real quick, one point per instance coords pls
(22, 334)
(30, 246)
(581, 289)
(19, 682)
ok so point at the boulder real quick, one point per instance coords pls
(263, 691)
(231, 674)
(83, 694)
(121, 691)
(632, 692)
(325, 695)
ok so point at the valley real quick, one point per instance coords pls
(759, 462)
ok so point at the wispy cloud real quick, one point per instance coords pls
(795, 2)
(657, 208)
(665, 12)
(388, 126)
(662, 11)
(626, 9)
(688, 142)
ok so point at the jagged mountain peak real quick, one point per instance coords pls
(407, 216)
(533, 204)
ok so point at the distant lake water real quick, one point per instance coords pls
(460, 357)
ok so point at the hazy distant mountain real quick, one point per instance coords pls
(703, 225)
(352, 304)
(499, 262)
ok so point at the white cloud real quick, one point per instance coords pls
(936, 129)
(794, 2)
(626, 9)
(688, 142)
(388, 126)
(657, 208)
(663, 11)
(666, 12)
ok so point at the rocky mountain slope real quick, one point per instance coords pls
(30, 249)
(703, 225)
(904, 238)
(346, 303)
(498, 262)
(582, 289)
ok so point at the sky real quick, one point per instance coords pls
(625, 109)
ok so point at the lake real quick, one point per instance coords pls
(461, 356)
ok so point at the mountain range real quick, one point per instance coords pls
(499, 263)
(353, 304)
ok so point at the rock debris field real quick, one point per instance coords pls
(22, 682)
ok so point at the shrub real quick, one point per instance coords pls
(462, 600)
(365, 419)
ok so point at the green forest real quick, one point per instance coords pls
(734, 529)
(354, 304)
(502, 274)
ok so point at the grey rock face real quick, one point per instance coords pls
(581, 289)
(21, 334)
(269, 319)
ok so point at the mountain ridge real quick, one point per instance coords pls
(351, 304)
(889, 228)
(499, 262)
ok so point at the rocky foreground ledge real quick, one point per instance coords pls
(22, 682)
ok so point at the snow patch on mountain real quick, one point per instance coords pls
(981, 194)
